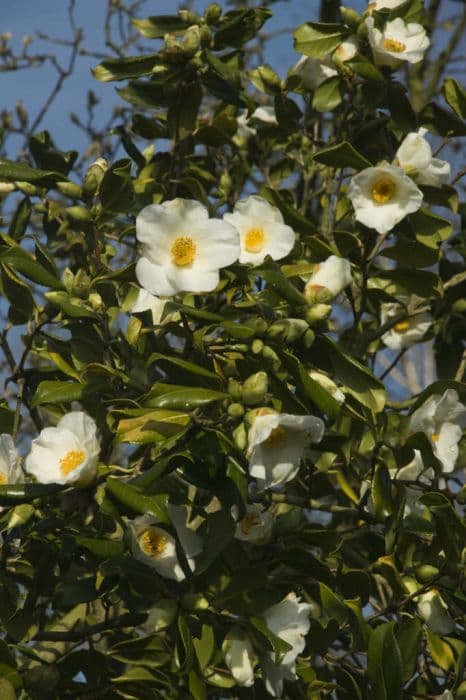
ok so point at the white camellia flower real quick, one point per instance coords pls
(328, 279)
(289, 620)
(10, 469)
(261, 229)
(407, 332)
(442, 419)
(376, 5)
(276, 445)
(154, 546)
(66, 454)
(161, 615)
(397, 42)
(413, 471)
(382, 196)
(182, 249)
(347, 49)
(148, 302)
(415, 157)
(266, 115)
(434, 611)
(239, 656)
(313, 72)
(256, 525)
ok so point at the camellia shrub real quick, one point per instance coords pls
(214, 483)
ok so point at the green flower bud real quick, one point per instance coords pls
(271, 356)
(94, 176)
(192, 40)
(235, 389)
(78, 213)
(240, 436)
(255, 388)
(194, 601)
(257, 346)
(6, 187)
(236, 410)
(309, 338)
(71, 189)
(318, 312)
(26, 187)
(350, 16)
(287, 329)
(426, 572)
(213, 13)
(205, 37)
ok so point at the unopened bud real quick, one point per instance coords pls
(78, 213)
(255, 388)
(271, 356)
(94, 175)
(318, 312)
(205, 37)
(161, 615)
(95, 300)
(71, 189)
(235, 389)
(350, 16)
(288, 329)
(26, 187)
(192, 40)
(6, 187)
(257, 346)
(426, 572)
(194, 601)
(236, 410)
(317, 294)
(213, 13)
(240, 436)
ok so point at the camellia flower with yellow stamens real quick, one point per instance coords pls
(256, 525)
(396, 42)
(155, 546)
(66, 454)
(415, 157)
(382, 196)
(182, 249)
(407, 332)
(442, 419)
(261, 229)
(277, 443)
(289, 620)
(10, 469)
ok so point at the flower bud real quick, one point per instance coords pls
(71, 189)
(240, 436)
(194, 601)
(255, 388)
(318, 312)
(192, 40)
(426, 572)
(271, 356)
(257, 346)
(288, 329)
(6, 187)
(235, 389)
(26, 187)
(212, 13)
(350, 16)
(205, 37)
(161, 615)
(94, 175)
(78, 213)
(236, 410)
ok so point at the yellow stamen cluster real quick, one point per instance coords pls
(248, 522)
(254, 239)
(183, 251)
(435, 437)
(394, 46)
(383, 190)
(276, 436)
(152, 542)
(3, 479)
(72, 460)
(401, 327)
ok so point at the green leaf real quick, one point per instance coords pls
(151, 426)
(20, 220)
(100, 547)
(24, 262)
(173, 396)
(342, 155)
(441, 121)
(219, 531)
(384, 664)
(57, 392)
(188, 367)
(239, 26)
(408, 637)
(356, 377)
(277, 281)
(431, 229)
(318, 395)
(133, 499)
(18, 294)
(333, 604)
(204, 646)
(440, 651)
(13, 171)
(328, 95)
(277, 644)
(12, 494)
(364, 68)
(182, 114)
(116, 189)
(122, 68)
(382, 492)
(455, 95)
(7, 691)
(317, 39)
(156, 27)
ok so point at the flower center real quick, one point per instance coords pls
(393, 45)
(3, 479)
(435, 437)
(254, 239)
(276, 437)
(248, 522)
(70, 461)
(401, 327)
(383, 190)
(152, 542)
(183, 251)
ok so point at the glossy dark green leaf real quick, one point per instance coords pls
(11, 494)
(123, 68)
(136, 501)
(12, 170)
(186, 398)
(57, 392)
(116, 189)
(328, 95)
(384, 663)
(342, 155)
(455, 95)
(20, 220)
(317, 39)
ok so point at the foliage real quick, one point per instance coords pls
(178, 394)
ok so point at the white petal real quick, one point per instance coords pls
(239, 656)
(153, 278)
